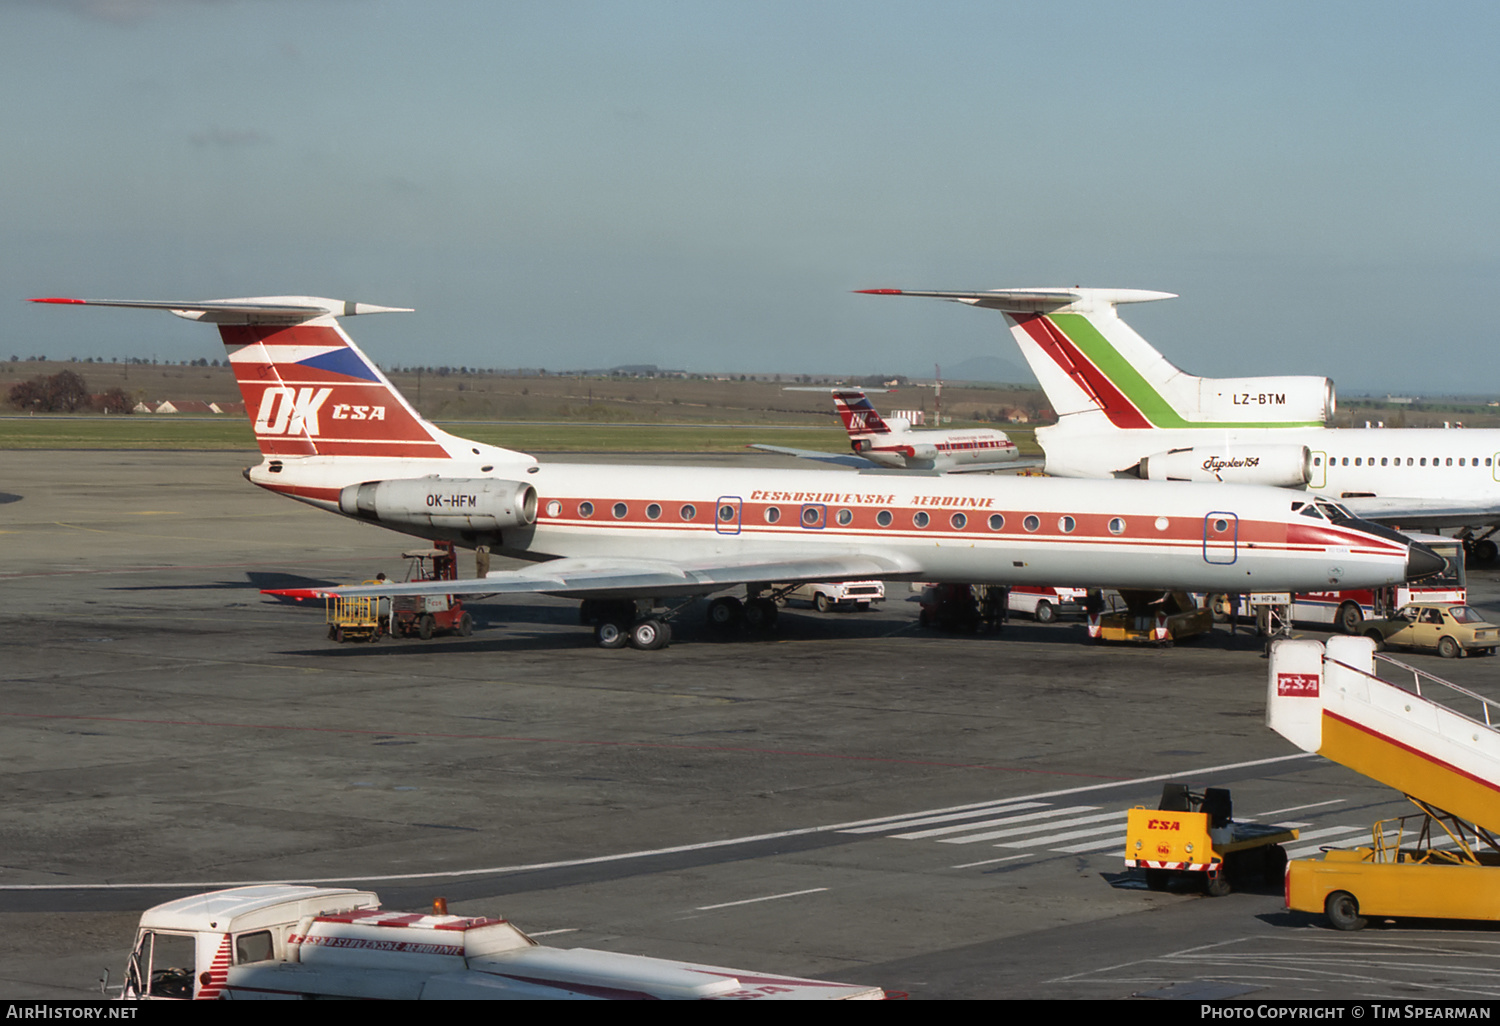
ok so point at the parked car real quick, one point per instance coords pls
(1046, 604)
(1450, 629)
(826, 595)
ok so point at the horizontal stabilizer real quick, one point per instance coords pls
(251, 310)
(1034, 300)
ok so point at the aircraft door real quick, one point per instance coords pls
(727, 514)
(1221, 533)
(1319, 478)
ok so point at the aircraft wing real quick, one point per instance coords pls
(1390, 509)
(846, 459)
(605, 577)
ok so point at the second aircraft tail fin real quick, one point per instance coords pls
(1092, 365)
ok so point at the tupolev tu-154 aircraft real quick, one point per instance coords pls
(638, 543)
(1125, 410)
(877, 441)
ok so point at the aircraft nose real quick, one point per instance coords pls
(1422, 562)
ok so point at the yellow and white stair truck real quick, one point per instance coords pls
(1435, 742)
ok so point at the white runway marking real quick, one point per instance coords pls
(752, 901)
(646, 853)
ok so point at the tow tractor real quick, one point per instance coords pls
(281, 941)
(1194, 836)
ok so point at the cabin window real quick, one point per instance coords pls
(773, 514)
(554, 508)
(1066, 524)
(688, 512)
(1317, 461)
(254, 947)
(812, 516)
(1357, 462)
(1221, 525)
(620, 509)
(1346, 461)
(1162, 523)
(1408, 461)
(1448, 462)
(958, 521)
(845, 517)
(1460, 461)
(585, 509)
(1116, 525)
(997, 522)
(1424, 461)
(920, 518)
(653, 511)
(883, 518)
(1383, 462)
(727, 514)
(1032, 522)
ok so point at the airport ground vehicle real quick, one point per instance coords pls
(280, 941)
(1449, 630)
(1154, 617)
(368, 618)
(1446, 760)
(1046, 604)
(826, 595)
(426, 615)
(1195, 836)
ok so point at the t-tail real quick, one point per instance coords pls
(1094, 367)
(308, 389)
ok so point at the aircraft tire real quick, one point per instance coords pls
(725, 613)
(611, 634)
(649, 634)
(760, 614)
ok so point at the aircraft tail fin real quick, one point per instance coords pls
(308, 389)
(1092, 365)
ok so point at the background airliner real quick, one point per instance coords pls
(892, 442)
(637, 543)
(1125, 410)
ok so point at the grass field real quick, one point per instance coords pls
(143, 431)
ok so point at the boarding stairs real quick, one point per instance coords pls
(1434, 741)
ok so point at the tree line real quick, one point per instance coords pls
(66, 392)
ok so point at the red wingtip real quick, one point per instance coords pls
(58, 299)
(294, 593)
(878, 292)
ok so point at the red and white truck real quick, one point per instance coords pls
(280, 941)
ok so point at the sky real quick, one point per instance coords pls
(701, 185)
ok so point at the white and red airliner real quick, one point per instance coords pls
(637, 543)
(877, 441)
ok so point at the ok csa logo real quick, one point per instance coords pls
(290, 411)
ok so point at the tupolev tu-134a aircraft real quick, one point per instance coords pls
(638, 543)
(1125, 410)
(878, 441)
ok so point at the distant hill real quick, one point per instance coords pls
(985, 368)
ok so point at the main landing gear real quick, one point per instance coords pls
(623, 623)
